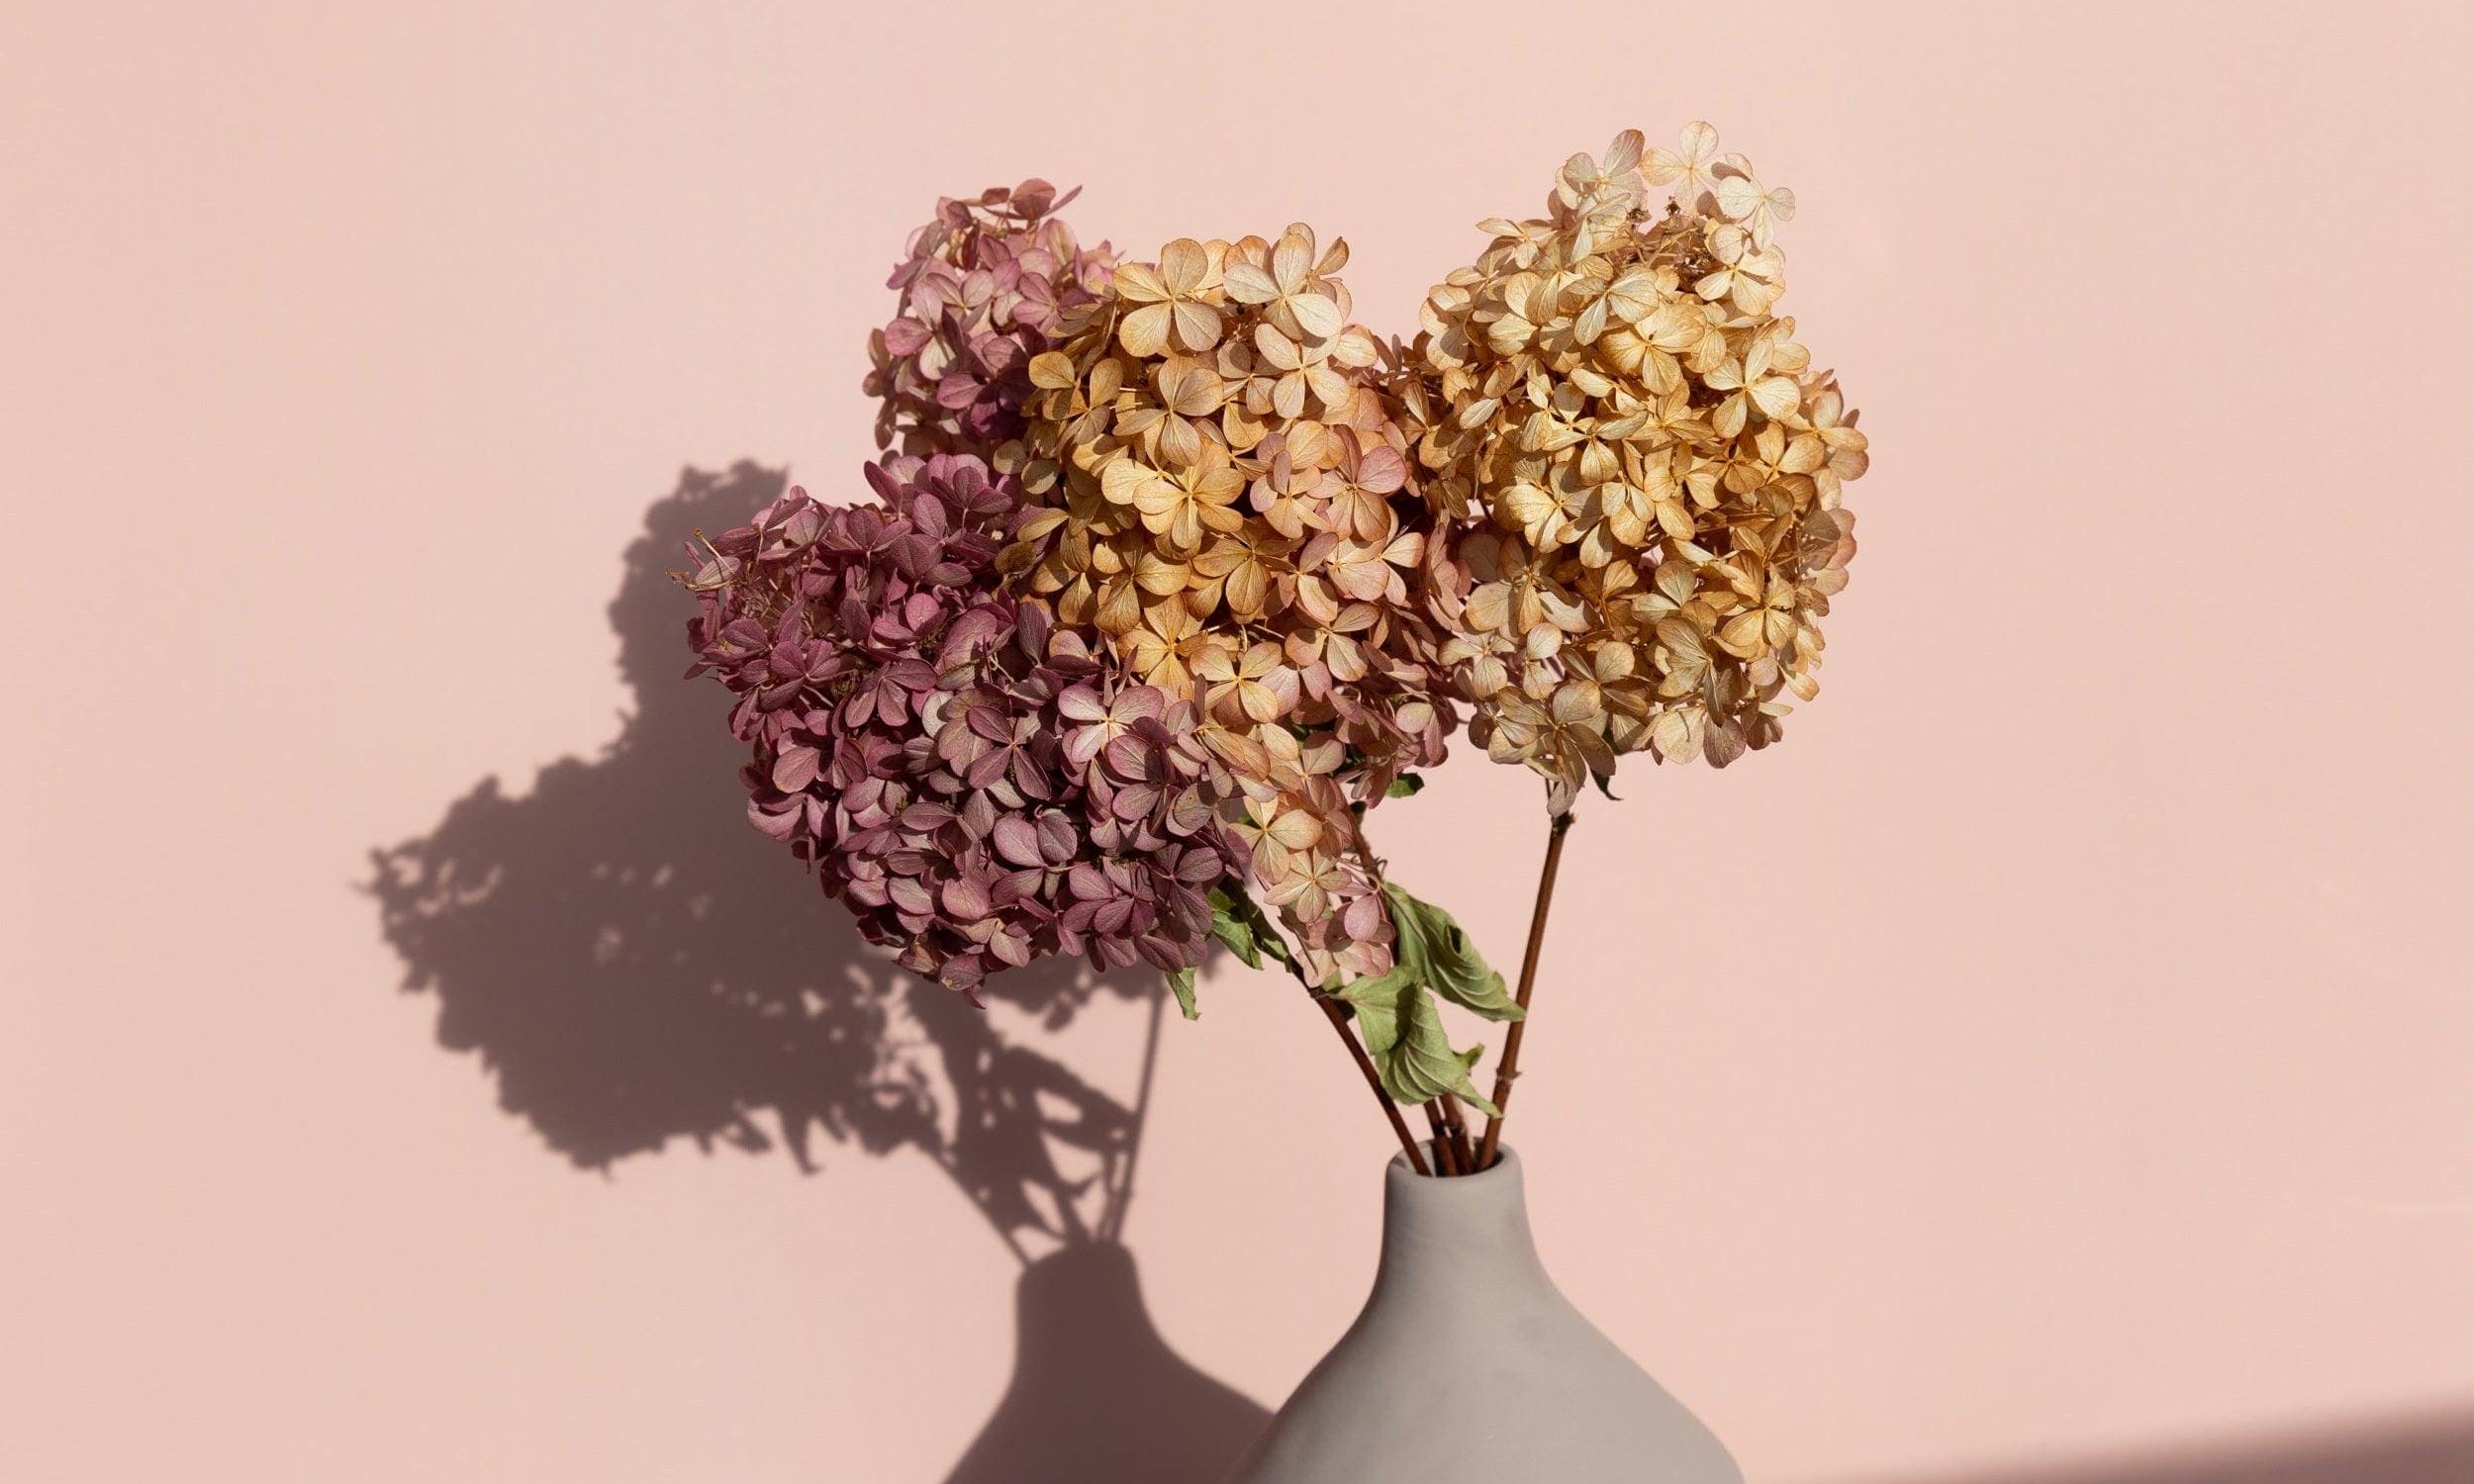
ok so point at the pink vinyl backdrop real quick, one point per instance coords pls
(2061, 1048)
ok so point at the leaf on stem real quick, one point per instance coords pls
(1181, 985)
(1405, 1036)
(1438, 952)
(1237, 922)
(1402, 1024)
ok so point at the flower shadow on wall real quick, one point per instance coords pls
(635, 964)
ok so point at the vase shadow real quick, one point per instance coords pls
(635, 965)
(1096, 1394)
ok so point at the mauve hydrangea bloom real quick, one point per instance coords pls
(982, 288)
(967, 778)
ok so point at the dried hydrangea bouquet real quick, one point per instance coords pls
(1177, 573)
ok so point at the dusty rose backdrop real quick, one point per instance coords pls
(2059, 1054)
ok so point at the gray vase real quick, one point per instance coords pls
(1467, 1367)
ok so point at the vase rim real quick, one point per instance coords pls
(1505, 1169)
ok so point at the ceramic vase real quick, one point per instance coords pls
(1468, 1366)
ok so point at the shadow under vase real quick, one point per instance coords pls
(1098, 1396)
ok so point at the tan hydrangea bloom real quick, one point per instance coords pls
(1224, 497)
(1635, 468)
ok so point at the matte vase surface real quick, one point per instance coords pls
(1468, 1366)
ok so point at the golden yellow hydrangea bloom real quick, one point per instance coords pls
(1635, 469)
(1226, 499)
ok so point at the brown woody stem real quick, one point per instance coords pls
(1339, 1019)
(1507, 1071)
(1462, 1158)
(1373, 1080)
(1447, 1160)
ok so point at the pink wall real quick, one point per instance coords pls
(2063, 1047)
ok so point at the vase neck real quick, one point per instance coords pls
(1438, 1229)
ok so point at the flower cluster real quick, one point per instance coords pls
(983, 287)
(1635, 469)
(1223, 501)
(975, 782)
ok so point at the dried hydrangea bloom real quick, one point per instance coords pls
(1223, 501)
(1635, 468)
(983, 288)
(1306, 853)
(971, 780)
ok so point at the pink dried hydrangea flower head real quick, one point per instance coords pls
(1222, 500)
(983, 288)
(1635, 469)
(970, 779)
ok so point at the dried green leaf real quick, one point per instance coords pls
(1403, 1026)
(1405, 1036)
(1181, 985)
(1238, 923)
(1436, 950)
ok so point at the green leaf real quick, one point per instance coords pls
(1181, 985)
(1237, 922)
(1402, 1025)
(1438, 954)
(1237, 934)
(1404, 785)
(1405, 1036)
